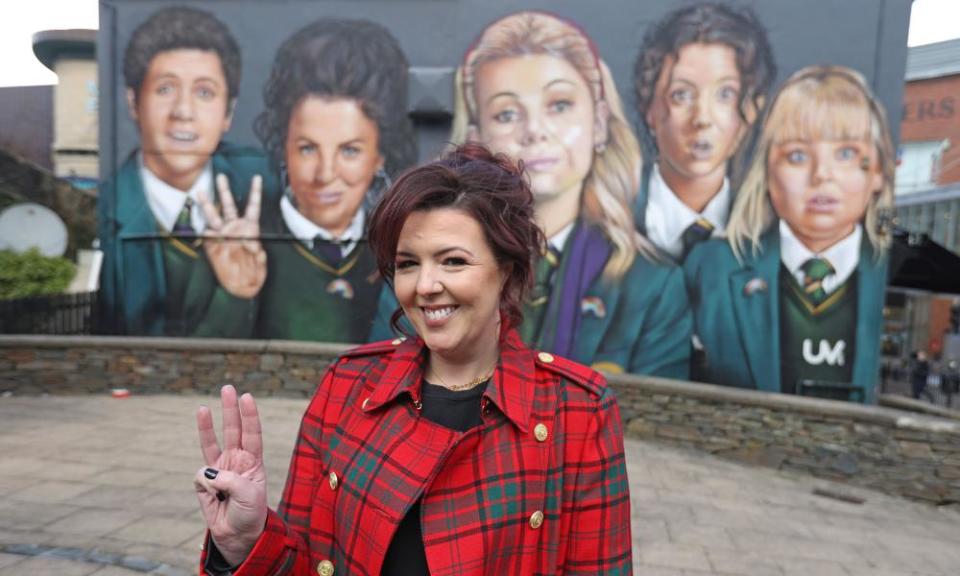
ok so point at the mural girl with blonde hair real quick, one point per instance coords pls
(533, 87)
(792, 301)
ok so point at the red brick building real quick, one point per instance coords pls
(928, 192)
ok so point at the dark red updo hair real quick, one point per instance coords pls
(491, 189)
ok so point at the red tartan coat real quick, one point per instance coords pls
(540, 487)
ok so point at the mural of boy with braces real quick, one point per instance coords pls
(170, 266)
(792, 302)
(701, 78)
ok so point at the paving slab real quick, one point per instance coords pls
(92, 485)
(44, 566)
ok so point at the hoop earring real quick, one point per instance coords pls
(600, 148)
(382, 175)
(380, 184)
(285, 184)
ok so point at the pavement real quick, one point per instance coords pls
(93, 485)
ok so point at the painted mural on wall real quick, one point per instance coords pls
(730, 234)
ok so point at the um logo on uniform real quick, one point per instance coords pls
(832, 355)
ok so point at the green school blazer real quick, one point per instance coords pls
(640, 324)
(305, 298)
(133, 286)
(736, 314)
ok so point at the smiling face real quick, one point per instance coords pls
(183, 110)
(695, 116)
(538, 109)
(448, 283)
(332, 154)
(822, 188)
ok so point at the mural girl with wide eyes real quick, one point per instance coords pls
(533, 87)
(793, 301)
(701, 79)
(335, 123)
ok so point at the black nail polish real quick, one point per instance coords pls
(211, 473)
(220, 496)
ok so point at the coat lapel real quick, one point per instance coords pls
(871, 287)
(141, 270)
(597, 310)
(640, 203)
(582, 313)
(754, 291)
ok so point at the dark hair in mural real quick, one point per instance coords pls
(352, 59)
(488, 187)
(736, 27)
(181, 28)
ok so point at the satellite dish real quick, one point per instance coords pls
(26, 226)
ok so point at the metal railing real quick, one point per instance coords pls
(937, 392)
(62, 314)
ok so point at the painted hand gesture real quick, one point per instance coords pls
(232, 242)
(232, 487)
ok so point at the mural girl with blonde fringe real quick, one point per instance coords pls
(533, 87)
(792, 301)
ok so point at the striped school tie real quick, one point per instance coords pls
(545, 272)
(327, 250)
(814, 271)
(184, 225)
(695, 234)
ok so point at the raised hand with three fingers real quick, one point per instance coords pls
(232, 487)
(232, 241)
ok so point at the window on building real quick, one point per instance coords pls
(918, 165)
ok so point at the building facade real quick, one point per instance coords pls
(71, 54)
(928, 192)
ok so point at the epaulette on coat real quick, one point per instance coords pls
(585, 377)
(373, 348)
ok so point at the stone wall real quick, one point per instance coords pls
(898, 452)
(31, 365)
(893, 451)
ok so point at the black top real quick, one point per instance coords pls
(455, 410)
(406, 555)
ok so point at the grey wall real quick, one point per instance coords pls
(868, 35)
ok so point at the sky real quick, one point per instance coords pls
(931, 21)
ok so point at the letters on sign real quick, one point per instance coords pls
(832, 355)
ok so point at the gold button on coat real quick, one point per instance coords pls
(540, 432)
(334, 481)
(365, 402)
(536, 519)
(545, 357)
(325, 568)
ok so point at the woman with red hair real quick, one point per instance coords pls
(454, 451)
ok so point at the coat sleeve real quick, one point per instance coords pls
(663, 348)
(283, 548)
(227, 316)
(600, 540)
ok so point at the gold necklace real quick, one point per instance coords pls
(460, 387)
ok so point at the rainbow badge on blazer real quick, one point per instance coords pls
(341, 287)
(593, 305)
(754, 285)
